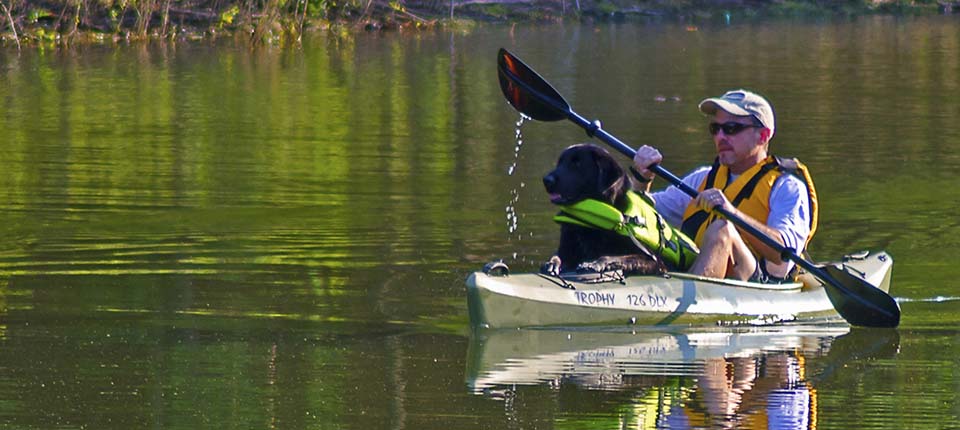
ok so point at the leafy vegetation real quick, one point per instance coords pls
(277, 21)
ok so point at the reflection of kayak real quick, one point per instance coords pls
(531, 357)
(525, 300)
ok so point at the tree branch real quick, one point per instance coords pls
(13, 25)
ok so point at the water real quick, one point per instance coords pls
(211, 236)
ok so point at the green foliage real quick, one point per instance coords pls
(319, 8)
(277, 19)
(606, 8)
(906, 6)
(35, 14)
(493, 10)
(41, 34)
(227, 16)
(796, 8)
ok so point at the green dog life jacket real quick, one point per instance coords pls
(639, 221)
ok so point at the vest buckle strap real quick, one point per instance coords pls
(635, 220)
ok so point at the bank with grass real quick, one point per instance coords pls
(66, 22)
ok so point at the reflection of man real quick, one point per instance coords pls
(788, 407)
(723, 385)
(752, 392)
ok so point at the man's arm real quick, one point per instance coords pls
(790, 212)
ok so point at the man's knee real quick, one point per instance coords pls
(723, 238)
(720, 230)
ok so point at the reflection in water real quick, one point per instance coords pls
(4, 283)
(751, 378)
(739, 390)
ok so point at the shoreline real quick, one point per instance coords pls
(31, 23)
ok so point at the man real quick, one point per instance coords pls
(774, 195)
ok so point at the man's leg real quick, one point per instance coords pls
(724, 254)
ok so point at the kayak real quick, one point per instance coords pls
(498, 299)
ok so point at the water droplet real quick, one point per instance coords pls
(511, 211)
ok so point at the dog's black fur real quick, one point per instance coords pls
(588, 171)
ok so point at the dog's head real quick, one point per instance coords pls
(586, 171)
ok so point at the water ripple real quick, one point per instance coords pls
(936, 299)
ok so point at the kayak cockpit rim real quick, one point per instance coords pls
(565, 280)
(738, 283)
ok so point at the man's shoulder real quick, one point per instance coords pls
(788, 187)
(792, 180)
(701, 169)
(790, 175)
(697, 174)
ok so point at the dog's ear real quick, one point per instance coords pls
(612, 180)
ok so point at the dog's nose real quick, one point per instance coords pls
(549, 181)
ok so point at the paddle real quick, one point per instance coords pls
(855, 299)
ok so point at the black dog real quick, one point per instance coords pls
(588, 171)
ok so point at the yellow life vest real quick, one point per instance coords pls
(749, 193)
(640, 221)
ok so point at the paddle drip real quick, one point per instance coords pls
(937, 299)
(516, 149)
(515, 194)
(512, 211)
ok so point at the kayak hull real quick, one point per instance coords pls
(536, 300)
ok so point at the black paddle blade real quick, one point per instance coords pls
(527, 92)
(859, 302)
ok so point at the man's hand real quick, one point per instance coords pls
(645, 157)
(713, 198)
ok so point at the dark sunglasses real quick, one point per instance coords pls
(729, 128)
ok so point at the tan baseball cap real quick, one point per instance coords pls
(742, 103)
